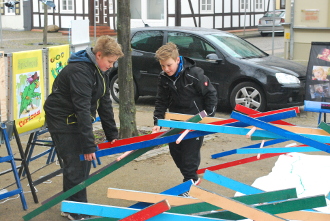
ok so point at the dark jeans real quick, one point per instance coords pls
(74, 171)
(186, 156)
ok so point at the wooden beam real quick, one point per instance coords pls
(232, 205)
(149, 197)
(149, 212)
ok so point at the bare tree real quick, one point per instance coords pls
(127, 108)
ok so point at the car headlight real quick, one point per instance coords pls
(286, 79)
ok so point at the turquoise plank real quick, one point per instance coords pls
(276, 150)
(120, 212)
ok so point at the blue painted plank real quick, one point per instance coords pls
(230, 152)
(216, 128)
(285, 133)
(175, 191)
(277, 150)
(230, 183)
(120, 212)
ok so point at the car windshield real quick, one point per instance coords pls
(277, 14)
(235, 46)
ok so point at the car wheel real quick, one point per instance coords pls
(114, 89)
(249, 95)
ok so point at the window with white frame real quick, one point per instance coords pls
(5, 10)
(258, 4)
(206, 6)
(67, 5)
(244, 4)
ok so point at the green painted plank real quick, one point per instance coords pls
(324, 126)
(264, 197)
(278, 207)
(103, 172)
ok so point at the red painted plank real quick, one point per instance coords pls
(249, 111)
(238, 162)
(129, 140)
(149, 212)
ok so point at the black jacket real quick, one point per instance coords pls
(78, 91)
(189, 93)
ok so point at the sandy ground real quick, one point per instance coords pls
(151, 174)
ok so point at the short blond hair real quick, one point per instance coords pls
(167, 51)
(108, 46)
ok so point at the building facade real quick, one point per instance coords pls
(217, 14)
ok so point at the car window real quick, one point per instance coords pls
(190, 45)
(148, 41)
(277, 14)
(235, 46)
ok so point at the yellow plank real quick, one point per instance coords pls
(232, 205)
(305, 216)
(295, 129)
(149, 197)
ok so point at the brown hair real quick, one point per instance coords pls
(107, 46)
(167, 51)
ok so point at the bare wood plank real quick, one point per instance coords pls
(149, 197)
(232, 205)
(305, 216)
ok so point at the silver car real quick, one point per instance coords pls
(266, 23)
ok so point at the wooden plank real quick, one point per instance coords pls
(149, 212)
(324, 126)
(305, 216)
(284, 133)
(3, 88)
(277, 208)
(120, 212)
(234, 151)
(149, 197)
(100, 174)
(231, 205)
(249, 111)
(238, 162)
(230, 183)
(247, 199)
(175, 191)
(265, 134)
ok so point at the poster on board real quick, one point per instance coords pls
(57, 59)
(317, 97)
(27, 90)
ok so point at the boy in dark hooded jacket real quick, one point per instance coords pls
(78, 92)
(183, 88)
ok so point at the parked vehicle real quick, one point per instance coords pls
(240, 72)
(267, 24)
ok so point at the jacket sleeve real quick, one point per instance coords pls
(105, 112)
(81, 84)
(209, 93)
(162, 100)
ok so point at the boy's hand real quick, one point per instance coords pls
(155, 129)
(89, 156)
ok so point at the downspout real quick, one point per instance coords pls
(291, 31)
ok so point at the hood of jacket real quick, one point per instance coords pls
(86, 55)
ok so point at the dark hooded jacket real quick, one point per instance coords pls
(189, 92)
(78, 91)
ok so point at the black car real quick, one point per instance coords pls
(240, 72)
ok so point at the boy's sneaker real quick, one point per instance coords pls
(185, 194)
(64, 214)
(197, 182)
(74, 216)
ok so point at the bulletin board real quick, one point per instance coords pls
(318, 78)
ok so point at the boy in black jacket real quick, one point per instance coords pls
(183, 88)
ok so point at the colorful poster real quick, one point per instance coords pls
(28, 90)
(57, 59)
(318, 78)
